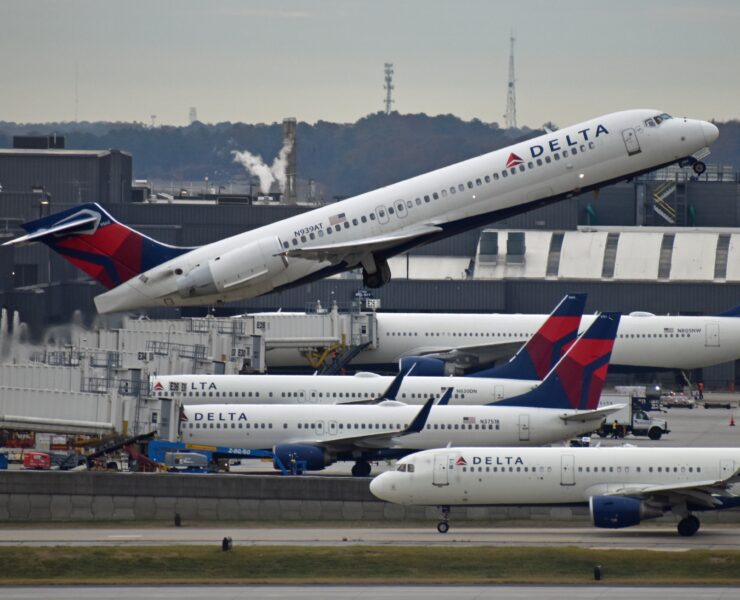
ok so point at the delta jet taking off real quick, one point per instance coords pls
(523, 373)
(366, 230)
(563, 406)
(622, 486)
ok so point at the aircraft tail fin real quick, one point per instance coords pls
(576, 381)
(92, 240)
(544, 349)
(733, 312)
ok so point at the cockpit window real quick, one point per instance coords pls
(410, 468)
(657, 119)
(401, 468)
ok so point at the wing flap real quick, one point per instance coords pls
(352, 252)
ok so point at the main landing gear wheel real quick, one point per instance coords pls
(378, 279)
(699, 167)
(443, 526)
(688, 526)
(361, 469)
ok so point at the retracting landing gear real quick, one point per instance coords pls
(688, 526)
(379, 277)
(443, 526)
(361, 468)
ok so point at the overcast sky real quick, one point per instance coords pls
(262, 60)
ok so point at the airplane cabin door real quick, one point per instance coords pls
(319, 428)
(631, 142)
(498, 393)
(567, 470)
(400, 207)
(712, 335)
(523, 428)
(332, 428)
(440, 474)
(382, 214)
(726, 468)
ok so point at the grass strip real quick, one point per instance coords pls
(360, 564)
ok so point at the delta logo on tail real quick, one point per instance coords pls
(513, 161)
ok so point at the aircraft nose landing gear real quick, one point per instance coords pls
(443, 526)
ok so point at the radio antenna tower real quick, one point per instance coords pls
(388, 87)
(510, 115)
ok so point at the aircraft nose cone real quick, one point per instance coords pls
(379, 487)
(711, 133)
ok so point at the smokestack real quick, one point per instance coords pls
(289, 141)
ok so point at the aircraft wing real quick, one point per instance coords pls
(592, 415)
(479, 354)
(353, 252)
(707, 493)
(384, 439)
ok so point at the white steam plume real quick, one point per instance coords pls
(266, 174)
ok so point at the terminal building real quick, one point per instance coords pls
(664, 243)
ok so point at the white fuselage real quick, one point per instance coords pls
(469, 194)
(650, 341)
(330, 389)
(255, 427)
(558, 475)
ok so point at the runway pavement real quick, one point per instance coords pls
(377, 592)
(662, 537)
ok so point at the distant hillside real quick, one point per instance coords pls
(345, 159)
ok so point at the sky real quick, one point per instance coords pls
(258, 61)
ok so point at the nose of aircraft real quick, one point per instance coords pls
(711, 133)
(379, 487)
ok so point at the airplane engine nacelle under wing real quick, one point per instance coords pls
(315, 457)
(425, 366)
(615, 512)
(257, 263)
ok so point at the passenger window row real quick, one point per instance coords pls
(403, 205)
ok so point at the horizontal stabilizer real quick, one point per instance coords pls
(592, 415)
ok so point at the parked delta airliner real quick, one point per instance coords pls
(462, 343)
(523, 373)
(622, 486)
(562, 406)
(366, 230)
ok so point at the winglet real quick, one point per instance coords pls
(420, 420)
(543, 350)
(392, 391)
(575, 383)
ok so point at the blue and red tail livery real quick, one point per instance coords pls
(578, 378)
(92, 240)
(543, 351)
